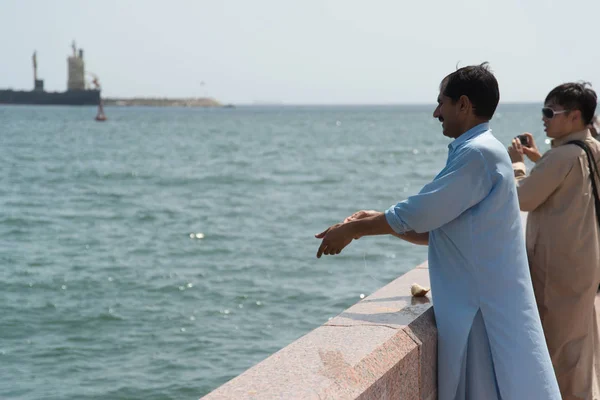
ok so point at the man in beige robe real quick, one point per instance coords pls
(563, 240)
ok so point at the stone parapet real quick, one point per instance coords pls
(383, 347)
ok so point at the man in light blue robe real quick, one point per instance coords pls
(490, 339)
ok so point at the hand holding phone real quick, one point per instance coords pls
(528, 146)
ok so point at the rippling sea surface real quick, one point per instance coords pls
(165, 251)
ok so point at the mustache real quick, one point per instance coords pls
(441, 119)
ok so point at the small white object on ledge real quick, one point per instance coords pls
(418, 290)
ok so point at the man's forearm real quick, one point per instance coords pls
(371, 226)
(378, 225)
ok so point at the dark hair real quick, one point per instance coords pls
(477, 83)
(575, 96)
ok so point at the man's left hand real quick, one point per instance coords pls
(335, 238)
(515, 151)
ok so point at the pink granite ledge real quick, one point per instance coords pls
(383, 347)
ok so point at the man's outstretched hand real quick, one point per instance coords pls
(335, 238)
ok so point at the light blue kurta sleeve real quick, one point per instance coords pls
(463, 183)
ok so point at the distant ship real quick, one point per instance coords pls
(79, 92)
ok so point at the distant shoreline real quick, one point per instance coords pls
(162, 102)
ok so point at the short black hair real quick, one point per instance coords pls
(479, 84)
(575, 96)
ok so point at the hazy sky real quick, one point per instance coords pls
(302, 51)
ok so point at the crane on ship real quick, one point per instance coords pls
(94, 82)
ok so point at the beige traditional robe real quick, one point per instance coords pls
(563, 247)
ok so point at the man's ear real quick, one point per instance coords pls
(575, 115)
(464, 104)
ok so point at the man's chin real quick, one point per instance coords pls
(550, 134)
(446, 133)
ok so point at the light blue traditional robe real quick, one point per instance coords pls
(490, 339)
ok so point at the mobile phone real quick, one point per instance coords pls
(523, 140)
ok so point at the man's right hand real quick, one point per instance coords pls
(531, 150)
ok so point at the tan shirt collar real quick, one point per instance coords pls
(581, 135)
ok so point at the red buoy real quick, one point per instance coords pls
(100, 116)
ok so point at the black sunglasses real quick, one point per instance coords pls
(550, 113)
